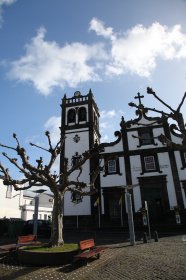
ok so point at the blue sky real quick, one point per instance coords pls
(117, 48)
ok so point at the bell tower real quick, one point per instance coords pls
(80, 126)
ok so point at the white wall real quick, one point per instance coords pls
(71, 148)
(112, 180)
(28, 212)
(82, 208)
(10, 207)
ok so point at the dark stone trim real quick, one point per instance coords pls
(76, 131)
(174, 169)
(126, 158)
(184, 186)
(182, 160)
(63, 120)
(156, 164)
(94, 162)
(149, 151)
(126, 152)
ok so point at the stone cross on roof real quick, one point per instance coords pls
(139, 97)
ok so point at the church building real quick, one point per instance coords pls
(154, 175)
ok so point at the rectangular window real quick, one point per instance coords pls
(149, 163)
(112, 166)
(45, 217)
(40, 216)
(146, 138)
(9, 192)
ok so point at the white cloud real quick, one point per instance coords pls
(138, 49)
(107, 114)
(52, 125)
(109, 122)
(104, 138)
(98, 26)
(46, 64)
(3, 3)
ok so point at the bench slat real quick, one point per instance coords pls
(22, 241)
(26, 238)
(86, 244)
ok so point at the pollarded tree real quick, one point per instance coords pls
(178, 128)
(41, 175)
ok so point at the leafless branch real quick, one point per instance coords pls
(181, 103)
(34, 145)
(150, 91)
(131, 104)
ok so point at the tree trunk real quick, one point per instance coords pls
(57, 220)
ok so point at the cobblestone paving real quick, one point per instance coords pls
(163, 260)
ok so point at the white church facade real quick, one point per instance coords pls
(136, 158)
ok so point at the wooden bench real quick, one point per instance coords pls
(23, 240)
(26, 240)
(88, 250)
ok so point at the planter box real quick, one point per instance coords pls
(45, 258)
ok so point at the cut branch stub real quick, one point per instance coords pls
(150, 90)
(131, 104)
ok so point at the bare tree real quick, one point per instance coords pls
(178, 128)
(42, 175)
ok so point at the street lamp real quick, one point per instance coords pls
(36, 208)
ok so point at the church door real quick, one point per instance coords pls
(113, 207)
(154, 191)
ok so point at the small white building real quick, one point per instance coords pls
(28, 206)
(21, 204)
(10, 202)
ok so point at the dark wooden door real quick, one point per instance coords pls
(154, 191)
(154, 198)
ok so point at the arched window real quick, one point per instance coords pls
(71, 116)
(82, 114)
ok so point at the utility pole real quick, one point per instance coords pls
(130, 212)
(130, 218)
(36, 210)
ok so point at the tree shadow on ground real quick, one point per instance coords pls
(13, 268)
(75, 266)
